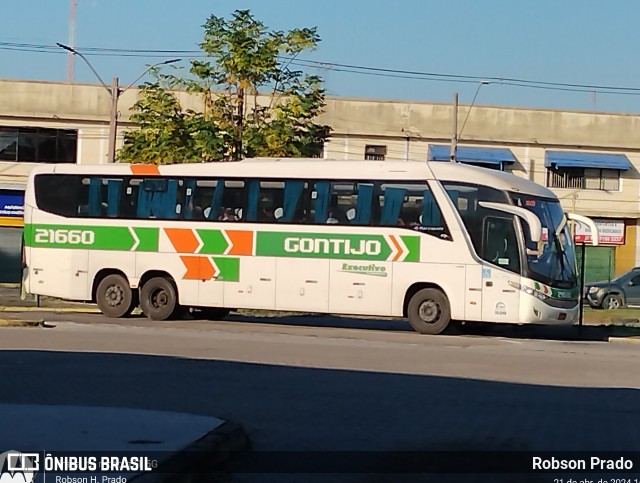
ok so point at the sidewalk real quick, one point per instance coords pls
(183, 445)
(10, 301)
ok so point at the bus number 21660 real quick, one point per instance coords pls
(71, 237)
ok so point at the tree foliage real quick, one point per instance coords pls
(253, 102)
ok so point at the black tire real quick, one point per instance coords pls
(429, 311)
(158, 298)
(612, 302)
(114, 296)
(210, 313)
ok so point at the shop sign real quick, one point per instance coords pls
(11, 203)
(610, 232)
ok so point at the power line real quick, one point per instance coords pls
(345, 68)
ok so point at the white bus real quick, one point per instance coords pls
(429, 241)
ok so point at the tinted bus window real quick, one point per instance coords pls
(58, 194)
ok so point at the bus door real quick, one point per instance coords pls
(473, 295)
(501, 276)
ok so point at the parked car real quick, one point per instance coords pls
(622, 291)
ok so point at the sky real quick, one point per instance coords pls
(579, 42)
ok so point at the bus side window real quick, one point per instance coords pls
(319, 200)
(362, 215)
(292, 206)
(411, 205)
(233, 203)
(114, 195)
(391, 202)
(158, 198)
(342, 204)
(59, 194)
(500, 243)
(205, 201)
(189, 209)
(270, 201)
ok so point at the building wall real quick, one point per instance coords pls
(625, 255)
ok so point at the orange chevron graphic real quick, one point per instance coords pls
(241, 242)
(145, 169)
(182, 239)
(198, 268)
(398, 247)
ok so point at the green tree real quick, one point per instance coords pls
(253, 102)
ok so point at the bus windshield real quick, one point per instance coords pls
(554, 264)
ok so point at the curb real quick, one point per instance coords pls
(21, 322)
(202, 458)
(16, 308)
(626, 340)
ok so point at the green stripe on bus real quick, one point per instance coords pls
(336, 246)
(272, 244)
(213, 242)
(413, 246)
(119, 238)
(149, 238)
(229, 268)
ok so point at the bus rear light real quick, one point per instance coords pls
(562, 316)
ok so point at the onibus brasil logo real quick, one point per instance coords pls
(16, 467)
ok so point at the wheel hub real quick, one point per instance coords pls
(429, 311)
(159, 299)
(114, 295)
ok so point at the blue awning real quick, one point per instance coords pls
(471, 155)
(574, 159)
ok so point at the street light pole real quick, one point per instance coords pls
(114, 94)
(113, 119)
(482, 83)
(455, 135)
(454, 129)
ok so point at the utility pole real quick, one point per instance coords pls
(454, 129)
(113, 119)
(455, 136)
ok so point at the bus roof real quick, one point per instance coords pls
(317, 168)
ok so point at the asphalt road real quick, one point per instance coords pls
(324, 384)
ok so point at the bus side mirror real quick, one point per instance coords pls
(535, 226)
(588, 222)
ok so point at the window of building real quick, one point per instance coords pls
(38, 145)
(375, 153)
(584, 178)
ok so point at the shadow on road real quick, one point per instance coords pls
(542, 332)
(293, 408)
(592, 333)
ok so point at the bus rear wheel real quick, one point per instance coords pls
(158, 298)
(429, 311)
(114, 296)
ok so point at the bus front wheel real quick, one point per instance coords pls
(158, 298)
(114, 296)
(429, 311)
